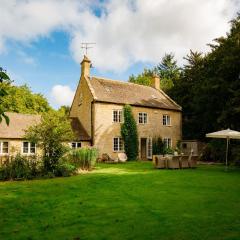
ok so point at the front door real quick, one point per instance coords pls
(143, 148)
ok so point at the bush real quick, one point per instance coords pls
(64, 170)
(214, 151)
(84, 158)
(168, 151)
(157, 146)
(20, 167)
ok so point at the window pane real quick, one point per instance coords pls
(168, 120)
(120, 115)
(115, 116)
(25, 147)
(140, 118)
(5, 147)
(164, 119)
(145, 118)
(79, 145)
(32, 147)
(73, 145)
(120, 144)
(115, 144)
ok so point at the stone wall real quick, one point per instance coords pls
(105, 129)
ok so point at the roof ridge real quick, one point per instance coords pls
(119, 81)
(26, 114)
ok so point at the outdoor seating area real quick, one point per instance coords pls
(175, 162)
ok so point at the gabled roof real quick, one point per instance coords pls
(18, 123)
(111, 91)
(78, 130)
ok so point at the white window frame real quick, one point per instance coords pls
(76, 143)
(29, 148)
(149, 148)
(166, 120)
(167, 142)
(119, 115)
(120, 146)
(1, 148)
(144, 117)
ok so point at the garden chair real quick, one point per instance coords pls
(173, 162)
(122, 157)
(193, 161)
(107, 159)
(159, 161)
(184, 160)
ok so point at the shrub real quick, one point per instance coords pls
(84, 158)
(51, 133)
(215, 150)
(168, 151)
(157, 146)
(129, 133)
(20, 167)
(64, 169)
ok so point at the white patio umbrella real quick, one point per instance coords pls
(228, 134)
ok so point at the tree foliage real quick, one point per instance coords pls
(51, 134)
(4, 82)
(208, 89)
(168, 71)
(143, 78)
(129, 133)
(22, 100)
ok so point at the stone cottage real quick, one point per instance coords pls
(97, 109)
(12, 137)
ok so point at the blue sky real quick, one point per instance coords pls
(47, 62)
(40, 40)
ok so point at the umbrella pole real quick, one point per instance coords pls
(227, 154)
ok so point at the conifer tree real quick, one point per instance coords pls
(129, 134)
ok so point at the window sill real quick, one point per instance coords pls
(29, 154)
(167, 125)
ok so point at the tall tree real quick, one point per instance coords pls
(208, 88)
(168, 71)
(4, 82)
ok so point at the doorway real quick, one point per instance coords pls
(143, 148)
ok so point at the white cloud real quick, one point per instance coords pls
(127, 31)
(26, 58)
(62, 95)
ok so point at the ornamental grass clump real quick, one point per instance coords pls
(83, 158)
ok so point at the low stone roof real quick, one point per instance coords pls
(111, 91)
(18, 124)
(78, 130)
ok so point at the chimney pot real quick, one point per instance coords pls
(85, 66)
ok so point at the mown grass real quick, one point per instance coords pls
(124, 201)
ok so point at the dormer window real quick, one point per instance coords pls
(117, 116)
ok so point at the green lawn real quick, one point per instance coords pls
(124, 201)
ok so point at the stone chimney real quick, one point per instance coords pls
(155, 82)
(85, 66)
